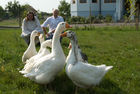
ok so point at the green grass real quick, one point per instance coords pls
(116, 46)
(10, 22)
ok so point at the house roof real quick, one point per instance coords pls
(30, 8)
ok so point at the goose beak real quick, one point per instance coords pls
(38, 33)
(64, 34)
(68, 26)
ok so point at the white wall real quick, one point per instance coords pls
(106, 8)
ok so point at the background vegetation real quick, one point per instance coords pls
(16, 11)
(116, 46)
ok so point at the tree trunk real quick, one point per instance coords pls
(137, 17)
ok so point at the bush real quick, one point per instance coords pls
(108, 18)
(77, 19)
(126, 18)
(93, 19)
(99, 19)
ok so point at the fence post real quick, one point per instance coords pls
(19, 16)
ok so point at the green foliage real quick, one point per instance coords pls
(2, 13)
(117, 46)
(9, 22)
(64, 9)
(77, 19)
(42, 16)
(132, 9)
(108, 18)
(126, 18)
(93, 19)
(23, 10)
(13, 8)
(99, 19)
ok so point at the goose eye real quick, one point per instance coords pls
(70, 31)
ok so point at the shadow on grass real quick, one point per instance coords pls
(63, 85)
(108, 87)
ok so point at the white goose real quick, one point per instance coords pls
(41, 38)
(44, 44)
(31, 50)
(42, 52)
(46, 68)
(82, 74)
(81, 56)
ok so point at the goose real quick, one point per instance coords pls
(41, 38)
(31, 50)
(44, 44)
(82, 74)
(81, 56)
(42, 52)
(46, 68)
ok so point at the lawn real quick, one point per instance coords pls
(116, 46)
(10, 22)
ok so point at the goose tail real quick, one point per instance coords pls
(22, 72)
(108, 68)
(30, 75)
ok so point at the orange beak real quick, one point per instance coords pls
(64, 34)
(68, 26)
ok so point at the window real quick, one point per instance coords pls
(94, 1)
(83, 1)
(73, 1)
(110, 1)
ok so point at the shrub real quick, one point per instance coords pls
(108, 18)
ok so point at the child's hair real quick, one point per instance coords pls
(30, 13)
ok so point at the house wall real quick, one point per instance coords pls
(119, 9)
(73, 9)
(108, 8)
(83, 9)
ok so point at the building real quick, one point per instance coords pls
(30, 8)
(114, 8)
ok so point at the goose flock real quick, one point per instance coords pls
(44, 65)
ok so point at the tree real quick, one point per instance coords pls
(2, 13)
(64, 9)
(134, 11)
(13, 8)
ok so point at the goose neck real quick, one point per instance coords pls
(32, 41)
(56, 46)
(74, 50)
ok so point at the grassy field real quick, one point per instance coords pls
(10, 22)
(116, 46)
